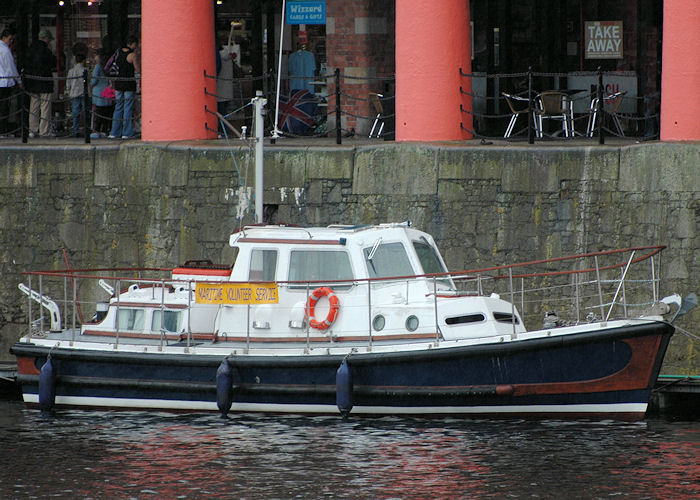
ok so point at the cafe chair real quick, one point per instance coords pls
(553, 105)
(611, 104)
(518, 105)
(379, 110)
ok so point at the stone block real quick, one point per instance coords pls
(451, 191)
(106, 168)
(335, 195)
(286, 196)
(660, 167)
(330, 164)
(18, 168)
(531, 172)
(282, 168)
(315, 192)
(686, 225)
(204, 159)
(146, 165)
(472, 163)
(406, 170)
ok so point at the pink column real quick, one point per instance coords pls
(178, 46)
(432, 44)
(680, 75)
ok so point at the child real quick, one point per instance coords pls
(75, 91)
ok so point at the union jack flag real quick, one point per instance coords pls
(297, 112)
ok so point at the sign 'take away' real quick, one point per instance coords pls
(603, 39)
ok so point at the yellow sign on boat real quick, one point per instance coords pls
(237, 293)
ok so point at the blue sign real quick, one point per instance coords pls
(309, 12)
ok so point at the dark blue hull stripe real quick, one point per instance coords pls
(464, 376)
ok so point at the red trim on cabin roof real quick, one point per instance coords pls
(288, 241)
(201, 272)
(147, 305)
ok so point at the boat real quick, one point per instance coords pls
(350, 320)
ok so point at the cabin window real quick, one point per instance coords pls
(467, 318)
(263, 265)
(430, 261)
(235, 252)
(505, 318)
(171, 323)
(320, 265)
(131, 319)
(388, 259)
(428, 257)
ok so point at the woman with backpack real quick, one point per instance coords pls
(102, 98)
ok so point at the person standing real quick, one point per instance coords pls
(40, 64)
(104, 106)
(76, 91)
(125, 90)
(9, 78)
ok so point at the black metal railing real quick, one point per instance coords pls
(355, 105)
(56, 114)
(592, 112)
(345, 105)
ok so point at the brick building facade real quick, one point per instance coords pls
(360, 41)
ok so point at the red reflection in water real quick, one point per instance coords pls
(276, 457)
(433, 466)
(170, 461)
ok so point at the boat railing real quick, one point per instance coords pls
(599, 285)
(596, 286)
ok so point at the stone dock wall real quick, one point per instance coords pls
(157, 205)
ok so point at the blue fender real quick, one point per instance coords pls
(343, 388)
(224, 387)
(47, 386)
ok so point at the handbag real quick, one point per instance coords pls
(108, 92)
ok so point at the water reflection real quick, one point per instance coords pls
(143, 455)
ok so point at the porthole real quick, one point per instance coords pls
(378, 322)
(412, 323)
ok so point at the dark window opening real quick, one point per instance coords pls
(469, 318)
(505, 318)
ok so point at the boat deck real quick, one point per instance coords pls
(228, 345)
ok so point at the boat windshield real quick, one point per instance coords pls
(430, 261)
(387, 260)
(320, 265)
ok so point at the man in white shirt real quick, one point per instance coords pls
(9, 78)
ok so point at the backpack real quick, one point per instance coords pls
(111, 68)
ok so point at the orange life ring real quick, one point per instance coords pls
(323, 291)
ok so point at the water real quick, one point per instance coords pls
(160, 455)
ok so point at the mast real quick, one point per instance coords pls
(258, 104)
